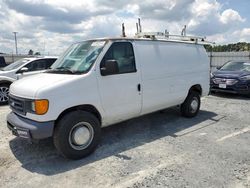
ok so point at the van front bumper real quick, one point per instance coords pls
(29, 129)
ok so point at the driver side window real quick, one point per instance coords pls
(123, 53)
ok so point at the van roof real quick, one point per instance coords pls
(148, 39)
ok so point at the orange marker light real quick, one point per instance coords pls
(41, 106)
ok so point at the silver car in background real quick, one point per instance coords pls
(19, 69)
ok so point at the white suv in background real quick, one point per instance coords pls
(19, 69)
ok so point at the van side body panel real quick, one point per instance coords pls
(168, 71)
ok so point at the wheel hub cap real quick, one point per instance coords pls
(81, 135)
(194, 105)
(4, 92)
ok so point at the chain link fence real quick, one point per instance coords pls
(217, 59)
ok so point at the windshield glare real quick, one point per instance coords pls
(15, 65)
(79, 57)
(236, 66)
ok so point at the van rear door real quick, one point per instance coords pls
(120, 93)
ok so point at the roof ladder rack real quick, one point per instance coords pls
(167, 36)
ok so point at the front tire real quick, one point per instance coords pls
(191, 106)
(77, 134)
(4, 94)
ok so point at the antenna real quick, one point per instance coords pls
(183, 32)
(123, 30)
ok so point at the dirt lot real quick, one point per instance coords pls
(157, 150)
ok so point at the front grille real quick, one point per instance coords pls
(225, 81)
(17, 104)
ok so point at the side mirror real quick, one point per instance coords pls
(109, 67)
(218, 67)
(22, 70)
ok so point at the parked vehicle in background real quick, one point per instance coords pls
(2, 62)
(19, 69)
(232, 77)
(101, 82)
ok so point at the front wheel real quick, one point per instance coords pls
(4, 94)
(191, 106)
(77, 134)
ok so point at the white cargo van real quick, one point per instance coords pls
(97, 83)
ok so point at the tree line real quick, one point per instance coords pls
(240, 46)
(31, 52)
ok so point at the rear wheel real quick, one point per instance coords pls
(77, 134)
(191, 106)
(4, 94)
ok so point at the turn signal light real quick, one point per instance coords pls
(41, 106)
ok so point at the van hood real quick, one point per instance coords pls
(29, 87)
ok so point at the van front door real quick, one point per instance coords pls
(120, 93)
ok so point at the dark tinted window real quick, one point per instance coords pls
(49, 62)
(123, 53)
(37, 65)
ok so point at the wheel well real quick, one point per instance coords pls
(5, 82)
(196, 88)
(87, 108)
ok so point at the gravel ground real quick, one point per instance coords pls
(157, 150)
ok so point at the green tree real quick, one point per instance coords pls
(30, 52)
(240, 46)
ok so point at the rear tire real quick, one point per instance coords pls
(191, 106)
(77, 134)
(4, 94)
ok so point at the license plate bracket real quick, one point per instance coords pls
(23, 133)
(223, 86)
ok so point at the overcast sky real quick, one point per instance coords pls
(51, 26)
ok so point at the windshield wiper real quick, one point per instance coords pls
(64, 69)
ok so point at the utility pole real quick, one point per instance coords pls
(44, 48)
(15, 41)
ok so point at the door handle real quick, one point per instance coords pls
(139, 87)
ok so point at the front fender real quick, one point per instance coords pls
(5, 79)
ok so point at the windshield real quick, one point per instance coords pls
(15, 65)
(78, 58)
(236, 66)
